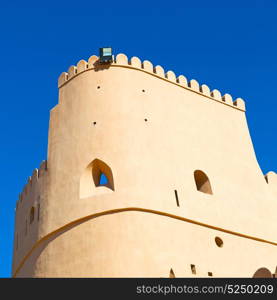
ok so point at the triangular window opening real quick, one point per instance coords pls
(96, 174)
(102, 174)
(103, 179)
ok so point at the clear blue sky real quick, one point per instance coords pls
(231, 47)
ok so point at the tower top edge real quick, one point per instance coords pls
(121, 60)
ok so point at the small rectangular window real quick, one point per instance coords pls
(38, 210)
(32, 215)
(210, 274)
(193, 269)
(176, 197)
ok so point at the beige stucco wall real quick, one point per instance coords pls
(187, 129)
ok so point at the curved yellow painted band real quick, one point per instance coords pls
(118, 210)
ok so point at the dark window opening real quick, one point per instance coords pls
(171, 274)
(210, 274)
(193, 269)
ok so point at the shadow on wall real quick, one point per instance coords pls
(202, 182)
(93, 177)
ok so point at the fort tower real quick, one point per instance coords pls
(184, 196)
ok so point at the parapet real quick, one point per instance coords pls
(146, 66)
(32, 183)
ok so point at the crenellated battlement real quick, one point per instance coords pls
(125, 173)
(28, 211)
(32, 183)
(146, 66)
